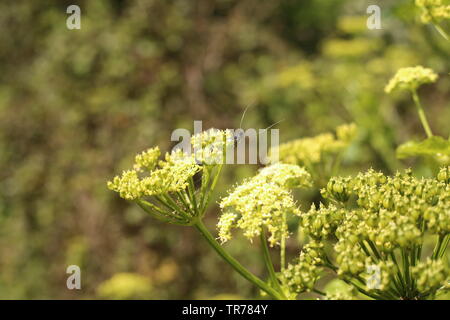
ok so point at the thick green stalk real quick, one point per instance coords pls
(235, 264)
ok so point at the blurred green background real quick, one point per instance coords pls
(77, 105)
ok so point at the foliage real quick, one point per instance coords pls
(369, 230)
(75, 105)
(125, 286)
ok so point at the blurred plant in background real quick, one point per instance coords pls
(125, 286)
(76, 104)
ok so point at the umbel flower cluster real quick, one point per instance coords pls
(307, 151)
(210, 147)
(166, 188)
(169, 176)
(318, 153)
(377, 225)
(433, 10)
(383, 237)
(262, 202)
(411, 78)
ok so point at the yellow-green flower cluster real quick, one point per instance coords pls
(431, 274)
(390, 210)
(349, 257)
(411, 78)
(263, 202)
(309, 151)
(350, 48)
(303, 272)
(210, 146)
(147, 159)
(433, 10)
(152, 177)
(375, 217)
(372, 216)
(257, 206)
(321, 223)
(444, 175)
(285, 175)
(126, 286)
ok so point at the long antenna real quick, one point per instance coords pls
(274, 124)
(243, 115)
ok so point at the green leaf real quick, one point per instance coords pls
(434, 146)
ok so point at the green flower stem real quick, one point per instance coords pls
(173, 212)
(191, 193)
(400, 284)
(370, 295)
(235, 264)
(444, 246)
(206, 177)
(364, 248)
(406, 271)
(419, 247)
(413, 255)
(336, 164)
(437, 248)
(207, 197)
(182, 198)
(421, 112)
(268, 263)
(395, 289)
(157, 213)
(441, 31)
(177, 208)
(374, 249)
(283, 247)
(319, 292)
(388, 294)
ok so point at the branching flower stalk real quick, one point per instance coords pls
(372, 221)
(165, 189)
(369, 230)
(379, 223)
(411, 79)
(421, 112)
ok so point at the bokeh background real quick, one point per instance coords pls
(77, 105)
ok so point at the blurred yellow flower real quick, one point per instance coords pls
(411, 78)
(123, 286)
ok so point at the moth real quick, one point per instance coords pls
(238, 135)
